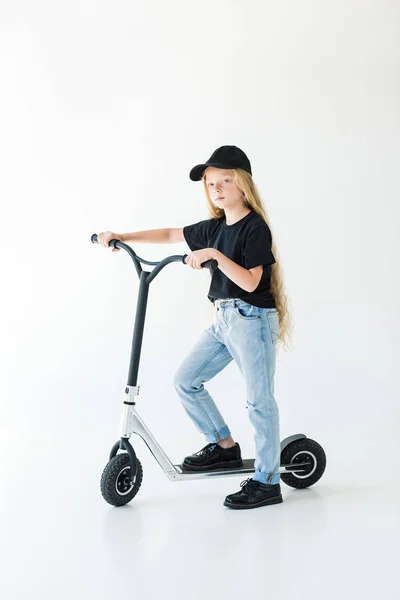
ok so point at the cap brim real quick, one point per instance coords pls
(197, 171)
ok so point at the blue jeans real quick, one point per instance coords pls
(248, 334)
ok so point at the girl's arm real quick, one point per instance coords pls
(247, 279)
(154, 236)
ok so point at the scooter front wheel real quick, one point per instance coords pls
(117, 485)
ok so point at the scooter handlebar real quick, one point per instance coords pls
(208, 264)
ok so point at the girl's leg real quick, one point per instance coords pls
(251, 340)
(206, 359)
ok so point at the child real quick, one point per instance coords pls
(251, 317)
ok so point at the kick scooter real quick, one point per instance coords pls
(302, 461)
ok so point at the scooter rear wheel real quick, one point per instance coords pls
(300, 451)
(116, 485)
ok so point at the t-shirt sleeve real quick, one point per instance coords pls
(197, 235)
(257, 247)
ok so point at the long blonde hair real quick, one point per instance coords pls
(252, 199)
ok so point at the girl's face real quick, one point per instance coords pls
(222, 189)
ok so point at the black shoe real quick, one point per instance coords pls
(254, 494)
(214, 456)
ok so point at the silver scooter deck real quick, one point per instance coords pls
(181, 472)
(132, 423)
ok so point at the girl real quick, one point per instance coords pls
(251, 319)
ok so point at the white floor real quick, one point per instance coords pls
(60, 539)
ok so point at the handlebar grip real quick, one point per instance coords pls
(208, 264)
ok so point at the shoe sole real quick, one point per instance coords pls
(274, 500)
(232, 464)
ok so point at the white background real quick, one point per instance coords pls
(104, 109)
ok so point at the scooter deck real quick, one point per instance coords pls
(248, 467)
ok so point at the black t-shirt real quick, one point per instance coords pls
(248, 243)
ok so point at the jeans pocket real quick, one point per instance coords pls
(273, 324)
(247, 311)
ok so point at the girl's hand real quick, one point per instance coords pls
(104, 238)
(197, 257)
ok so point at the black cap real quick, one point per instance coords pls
(224, 157)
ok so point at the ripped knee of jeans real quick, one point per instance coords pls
(250, 406)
